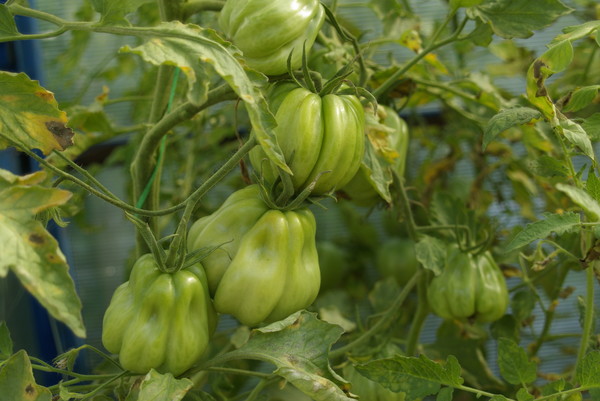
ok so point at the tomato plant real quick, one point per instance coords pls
(336, 200)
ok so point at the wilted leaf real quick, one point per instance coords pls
(298, 346)
(30, 116)
(31, 252)
(193, 49)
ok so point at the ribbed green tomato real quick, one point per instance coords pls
(316, 135)
(271, 267)
(160, 321)
(469, 287)
(388, 135)
(266, 31)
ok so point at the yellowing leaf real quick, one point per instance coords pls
(17, 381)
(31, 252)
(29, 115)
(412, 40)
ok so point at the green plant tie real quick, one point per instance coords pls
(161, 149)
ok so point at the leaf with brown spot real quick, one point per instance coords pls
(29, 115)
(298, 346)
(31, 252)
(17, 381)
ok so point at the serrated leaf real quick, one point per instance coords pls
(515, 366)
(29, 115)
(163, 387)
(583, 199)
(188, 45)
(31, 252)
(417, 377)
(298, 346)
(558, 223)
(547, 166)
(592, 185)
(8, 27)
(6, 344)
(113, 12)
(519, 18)
(522, 304)
(591, 125)
(431, 253)
(17, 381)
(506, 119)
(578, 137)
(588, 370)
(581, 98)
(523, 395)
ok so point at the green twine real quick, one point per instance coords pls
(161, 149)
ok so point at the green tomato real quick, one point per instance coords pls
(469, 287)
(320, 137)
(160, 321)
(334, 263)
(396, 258)
(267, 31)
(271, 267)
(388, 136)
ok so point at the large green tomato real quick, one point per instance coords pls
(317, 135)
(388, 136)
(266, 31)
(160, 321)
(396, 258)
(270, 268)
(469, 287)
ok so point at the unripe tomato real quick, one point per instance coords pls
(266, 31)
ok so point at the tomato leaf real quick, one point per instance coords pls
(417, 377)
(581, 98)
(578, 137)
(558, 223)
(17, 381)
(576, 32)
(7, 23)
(30, 116)
(431, 253)
(159, 387)
(519, 18)
(298, 346)
(506, 119)
(515, 366)
(587, 373)
(194, 50)
(591, 125)
(31, 252)
(113, 12)
(583, 199)
(6, 344)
